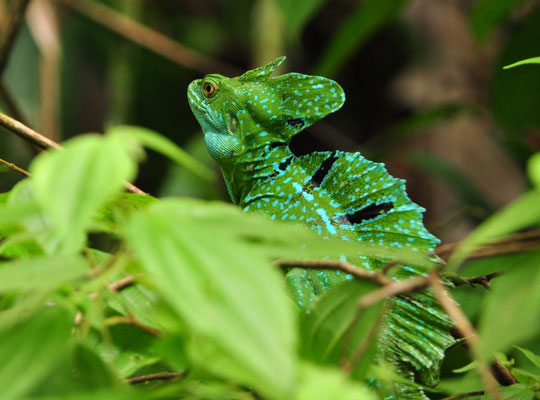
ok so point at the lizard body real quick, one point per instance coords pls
(248, 122)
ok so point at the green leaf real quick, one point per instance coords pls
(534, 60)
(522, 213)
(317, 383)
(106, 394)
(161, 144)
(488, 14)
(368, 18)
(32, 349)
(511, 314)
(535, 359)
(297, 13)
(534, 169)
(518, 391)
(326, 321)
(472, 365)
(40, 273)
(71, 185)
(234, 304)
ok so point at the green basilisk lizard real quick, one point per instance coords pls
(248, 122)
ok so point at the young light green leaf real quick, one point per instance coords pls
(470, 366)
(32, 349)
(534, 60)
(534, 358)
(534, 169)
(511, 313)
(161, 144)
(71, 185)
(40, 273)
(234, 304)
(318, 383)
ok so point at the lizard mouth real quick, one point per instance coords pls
(194, 97)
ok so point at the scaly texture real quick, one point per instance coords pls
(248, 122)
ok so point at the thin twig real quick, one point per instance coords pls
(131, 320)
(8, 37)
(515, 243)
(464, 395)
(158, 376)
(43, 142)
(483, 280)
(148, 38)
(465, 328)
(14, 167)
(121, 284)
(27, 133)
(337, 265)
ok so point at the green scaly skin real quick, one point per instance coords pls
(248, 122)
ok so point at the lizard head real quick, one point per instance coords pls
(253, 110)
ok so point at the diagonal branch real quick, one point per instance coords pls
(8, 37)
(15, 168)
(148, 38)
(39, 140)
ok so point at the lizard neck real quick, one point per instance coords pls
(254, 167)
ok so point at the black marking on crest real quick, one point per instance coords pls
(369, 212)
(273, 145)
(323, 170)
(285, 163)
(296, 123)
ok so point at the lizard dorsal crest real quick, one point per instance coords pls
(261, 72)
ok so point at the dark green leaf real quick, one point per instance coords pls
(535, 359)
(511, 314)
(514, 392)
(326, 321)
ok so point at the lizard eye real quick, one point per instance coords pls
(209, 89)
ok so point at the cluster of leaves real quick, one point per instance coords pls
(203, 299)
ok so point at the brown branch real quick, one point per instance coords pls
(131, 320)
(8, 37)
(483, 280)
(27, 133)
(14, 167)
(515, 243)
(465, 328)
(464, 395)
(121, 284)
(502, 374)
(148, 38)
(337, 265)
(43, 142)
(158, 376)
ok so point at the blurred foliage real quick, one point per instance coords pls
(206, 300)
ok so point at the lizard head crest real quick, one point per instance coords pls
(253, 110)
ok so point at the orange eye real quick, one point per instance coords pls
(209, 89)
